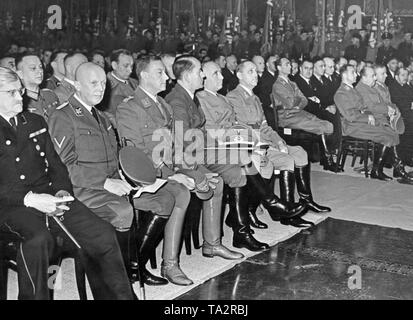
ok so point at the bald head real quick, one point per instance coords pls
(72, 63)
(90, 83)
(259, 63)
(213, 76)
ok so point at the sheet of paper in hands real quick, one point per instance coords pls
(151, 188)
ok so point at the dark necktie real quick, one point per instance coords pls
(95, 115)
(13, 123)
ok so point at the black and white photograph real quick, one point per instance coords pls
(206, 154)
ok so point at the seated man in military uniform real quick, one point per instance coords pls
(360, 122)
(40, 101)
(292, 161)
(121, 85)
(292, 102)
(219, 121)
(57, 65)
(32, 188)
(142, 120)
(86, 142)
(67, 88)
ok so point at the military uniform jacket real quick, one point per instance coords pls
(264, 88)
(88, 149)
(43, 103)
(385, 54)
(248, 110)
(52, 83)
(217, 110)
(384, 94)
(351, 106)
(372, 101)
(29, 161)
(65, 91)
(139, 117)
(185, 109)
(119, 91)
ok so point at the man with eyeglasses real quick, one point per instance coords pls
(40, 101)
(32, 190)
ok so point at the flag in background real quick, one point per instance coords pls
(228, 24)
(268, 26)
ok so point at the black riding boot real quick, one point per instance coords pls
(399, 171)
(277, 208)
(302, 178)
(326, 157)
(287, 193)
(149, 230)
(378, 165)
(238, 209)
(254, 201)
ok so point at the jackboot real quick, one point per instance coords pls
(287, 194)
(170, 268)
(378, 165)
(326, 157)
(399, 170)
(302, 178)
(211, 229)
(149, 230)
(254, 201)
(277, 208)
(238, 208)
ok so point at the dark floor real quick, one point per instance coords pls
(316, 266)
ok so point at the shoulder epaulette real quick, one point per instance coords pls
(127, 99)
(62, 105)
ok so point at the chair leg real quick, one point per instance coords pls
(195, 228)
(80, 275)
(353, 161)
(344, 158)
(3, 274)
(366, 159)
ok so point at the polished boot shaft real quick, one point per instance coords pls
(171, 245)
(150, 229)
(378, 165)
(277, 208)
(303, 182)
(238, 209)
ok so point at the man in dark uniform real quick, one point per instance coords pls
(355, 50)
(230, 78)
(386, 52)
(86, 143)
(67, 86)
(40, 101)
(315, 87)
(168, 60)
(32, 189)
(120, 83)
(264, 88)
(58, 67)
(405, 49)
(392, 67)
(359, 122)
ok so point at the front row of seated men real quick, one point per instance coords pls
(82, 146)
